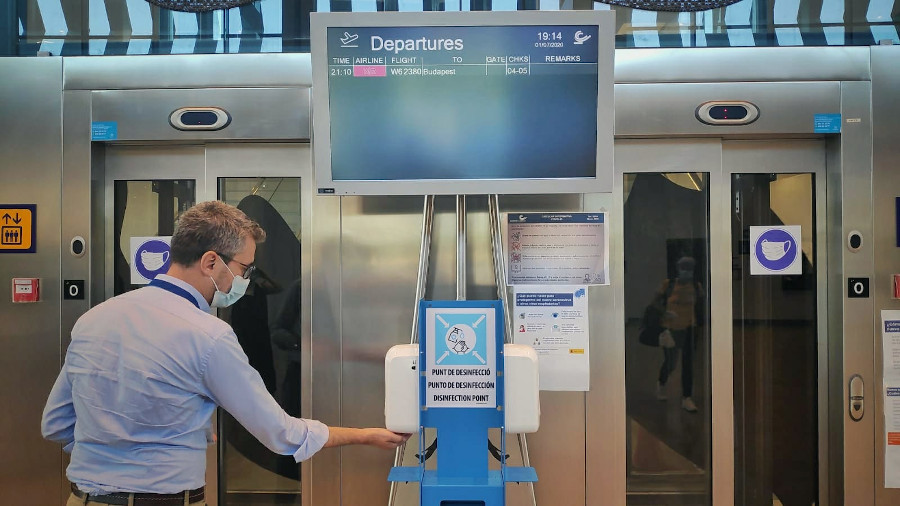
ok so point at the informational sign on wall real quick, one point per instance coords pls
(554, 321)
(149, 258)
(775, 251)
(890, 337)
(557, 249)
(827, 123)
(461, 357)
(18, 228)
(104, 130)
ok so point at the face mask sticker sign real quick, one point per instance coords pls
(775, 250)
(149, 258)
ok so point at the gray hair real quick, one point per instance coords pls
(212, 226)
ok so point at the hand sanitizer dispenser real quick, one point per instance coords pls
(523, 402)
(401, 389)
(521, 382)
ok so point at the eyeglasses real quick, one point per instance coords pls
(248, 269)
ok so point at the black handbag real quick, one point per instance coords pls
(651, 324)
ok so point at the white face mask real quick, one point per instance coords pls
(238, 289)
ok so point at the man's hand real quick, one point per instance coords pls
(381, 438)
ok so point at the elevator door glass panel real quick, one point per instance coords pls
(145, 209)
(775, 339)
(667, 348)
(267, 323)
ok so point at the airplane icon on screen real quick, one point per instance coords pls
(348, 39)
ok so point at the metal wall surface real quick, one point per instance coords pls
(187, 71)
(30, 164)
(742, 64)
(379, 244)
(631, 66)
(363, 251)
(886, 184)
(75, 220)
(325, 366)
(668, 109)
(850, 208)
(256, 114)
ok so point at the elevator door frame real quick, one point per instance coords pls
(207, 186)
(709, 156)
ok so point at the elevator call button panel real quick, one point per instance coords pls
(17, 228)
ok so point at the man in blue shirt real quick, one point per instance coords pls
(145, 371)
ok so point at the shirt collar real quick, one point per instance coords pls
(190, 289)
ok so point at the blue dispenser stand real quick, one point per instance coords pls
(462, 477)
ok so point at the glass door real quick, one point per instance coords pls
(667, 368)
(145, 189)
(668, 218)
(778, 332)
(723, 363)
(265, 181)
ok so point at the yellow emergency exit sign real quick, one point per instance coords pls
(17, 228)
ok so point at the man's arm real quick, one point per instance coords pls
(237, 387)
(382, 438)
(58, 420)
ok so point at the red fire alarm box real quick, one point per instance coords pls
(26, 290)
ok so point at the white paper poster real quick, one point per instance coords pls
(554, 321)
(149, 257)
(461, 357)
(557, 249)
(890, 325)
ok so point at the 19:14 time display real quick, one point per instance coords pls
(545, 36)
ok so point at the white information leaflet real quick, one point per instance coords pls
(554, 321)
(557, 249)
(461, 357)
(890, 325)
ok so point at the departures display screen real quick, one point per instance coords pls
(463, 102)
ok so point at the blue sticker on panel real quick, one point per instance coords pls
(827, 123)
(104, 130)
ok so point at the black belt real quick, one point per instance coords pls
(142, 499)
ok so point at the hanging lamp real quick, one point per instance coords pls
(198, 5)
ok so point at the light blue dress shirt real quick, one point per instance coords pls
(142, 377)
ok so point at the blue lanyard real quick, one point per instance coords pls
(177, 290)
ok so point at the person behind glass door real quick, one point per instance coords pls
(286, 335)
(679, 321)
(146, 369)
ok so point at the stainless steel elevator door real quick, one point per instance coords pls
(145, 187)
(723, 367)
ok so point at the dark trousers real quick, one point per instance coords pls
(684, 341)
